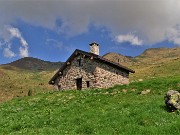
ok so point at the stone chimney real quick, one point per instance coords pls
(94, 48)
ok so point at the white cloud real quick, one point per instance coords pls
(8, 34)
(150, 18)
(23, 52)
(173, 35)
(58, 44)
(132, 39)
(15, 33)
(8, 53)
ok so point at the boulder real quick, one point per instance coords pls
(172, 100)
(144, 92)
(140, 80)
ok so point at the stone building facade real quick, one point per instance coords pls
(85, 70)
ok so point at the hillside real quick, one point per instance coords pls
(153, 62)
(100, 111)
(161, 52)
(17, 82)
(157, 62)
(150, 56)
(24, 75)
(158, 55)
(120, 59)
(29, 63)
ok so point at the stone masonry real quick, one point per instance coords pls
(98, 74)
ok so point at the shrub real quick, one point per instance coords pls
(30, 93)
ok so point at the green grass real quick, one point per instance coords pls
(16, 83)
(117, 110)
(162, 69)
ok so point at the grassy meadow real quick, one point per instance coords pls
(15, 82)
(117, 110)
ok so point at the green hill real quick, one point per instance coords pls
(24, 75)
(117, 110)
(17, 82)
(153, 62)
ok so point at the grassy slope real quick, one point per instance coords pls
(118, 110)
(163, 69)
(16, 82)
(153, 62)
(118, 58)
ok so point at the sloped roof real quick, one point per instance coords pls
(97, 57)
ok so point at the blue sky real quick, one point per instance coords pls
(52, 30)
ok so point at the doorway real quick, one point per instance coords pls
(79, 83)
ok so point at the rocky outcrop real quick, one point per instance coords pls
(172, 100)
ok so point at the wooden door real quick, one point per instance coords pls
(79, 83)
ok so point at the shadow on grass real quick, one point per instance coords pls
(170, 110)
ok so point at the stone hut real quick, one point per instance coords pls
(84, 70)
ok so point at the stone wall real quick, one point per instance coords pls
(99, 75)
(108, 76)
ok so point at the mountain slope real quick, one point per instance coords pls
(24, 75)
(158, 55)
(156, 62)
(100, 111)
(18, 82)
(161, 52)
(29, 63)
(152, 62)
(150, 56)
(118, 58)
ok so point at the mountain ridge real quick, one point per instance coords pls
(30, 63)
(149, 55)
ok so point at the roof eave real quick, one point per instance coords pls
(63, 66)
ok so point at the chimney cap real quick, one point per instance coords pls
(94, 43)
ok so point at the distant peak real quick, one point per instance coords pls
(168, 52)
(30, 63)
(119, 58)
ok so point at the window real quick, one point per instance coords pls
(80, 62)
(87, 83)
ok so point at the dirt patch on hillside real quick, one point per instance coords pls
(2, 73)
(5, 96)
